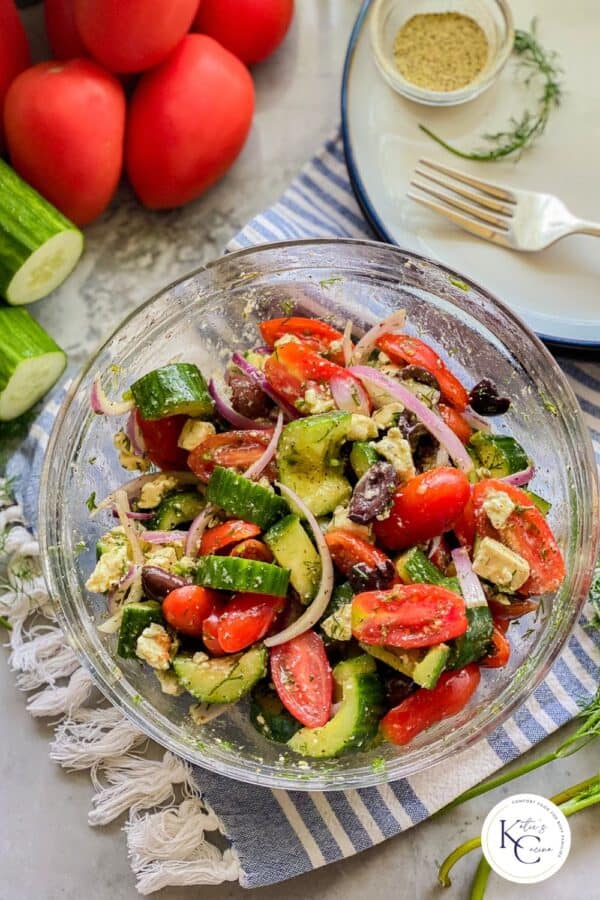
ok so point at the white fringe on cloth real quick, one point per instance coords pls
(167, 840)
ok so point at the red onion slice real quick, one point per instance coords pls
(164, 537)
(134, 433)
(349, 395)
(197, 529)
(227, 412)
(391, 324)
(260, 379)
(258, 467)
(347, 345)
(116, 595)
(475, 420)
(137, 555)
(435, 544)
(432, 423)
(470, 584)
(517, 479)
(133, 488)
(101, 405)
(136, 516)
(316, 609)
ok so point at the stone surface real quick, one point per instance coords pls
(47, 851)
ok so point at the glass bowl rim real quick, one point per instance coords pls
(367, 776)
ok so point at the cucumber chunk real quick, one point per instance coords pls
(336, 623)
(475, 642)
(177, 389)
(294, 550)
(270, 717)
(136, 617)
(309, 460)
(245, 499)
(39, 247)
(356, 722)
(499, 454)
(362, 456)
(177, 509)
(414, 567)
(424, 665)
(30, 362)
(222, 680)
(232, 573)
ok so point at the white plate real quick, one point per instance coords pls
(556, 291)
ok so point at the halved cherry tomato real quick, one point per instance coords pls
(464, 526)
(408, 615)
(246, 619)
(232, 449)
(526, 532)
(426, 707)
(314, 334)
(160, 437)
(423, 507)
(457, 423)
(500, 651)
(186, 608)
(405, 349)
(293, 367)
(252, 549)
(366, 567)
(221, 537)
(210, 628)
(302, 677)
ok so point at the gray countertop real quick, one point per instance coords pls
(47, 850)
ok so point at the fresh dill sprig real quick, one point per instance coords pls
(520, 133)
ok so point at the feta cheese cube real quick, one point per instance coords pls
(153, 491)
(154, 647)
(194, 432)
(396, 449)
(169, 683)
(500, 565)
(127, 458)
(498, 507)
(338, 626)
(362, 428)
(341, 520)
(386, 416)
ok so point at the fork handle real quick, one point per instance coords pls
(583, 227)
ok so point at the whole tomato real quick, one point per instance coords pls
(64, 129)
(61, 29)
(188, 120)
(14, 51)
(132, 35)
(251, 29)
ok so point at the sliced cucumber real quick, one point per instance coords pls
(424, 666)
(245, 499)
(475, 642)
(30, 362)
(177, 389)
(336, 623)
(177, 509)
(356, 722)
(136, 617)
(294, 550)
(499, 454)
(362, 456)
(270, 717)
(222, 680)
(39, 247)
(414, 567)
(233, 573)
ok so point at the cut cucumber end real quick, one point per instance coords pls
(29, 382)
(46, 268)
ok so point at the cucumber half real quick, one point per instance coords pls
(39, 247)
(30, 362)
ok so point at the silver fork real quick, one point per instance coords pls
(520, 220)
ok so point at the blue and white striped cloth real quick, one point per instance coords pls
(280, 834)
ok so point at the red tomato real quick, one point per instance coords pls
(408, 615)
(232, 449)
(223, 536)
(423, 507)
(188, 121)
(64, 129)
(251, 29)
(160, 437)
(63, 36)
(456, 422)
(252, 549)
(14, 52)
(293, 367)
(246, 619)
(130, 35)
(316, 335)
(404, 349)
(424, 708)
(464, 525)
(302, 677)
(186, 608)
(363, 564)
(500, 652)
(526, 532)
(509, 611)
(210, 630)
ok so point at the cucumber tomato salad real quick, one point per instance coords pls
(330, 528)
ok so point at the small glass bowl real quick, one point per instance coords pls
(494, 17)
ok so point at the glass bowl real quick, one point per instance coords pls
(203, 318)
(493, 16)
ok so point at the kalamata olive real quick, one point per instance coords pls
(418, 373)
(157, 583)
(371, 578)
(397, 688)
(412, 430)
(246, 396)
(373, 493)
(486, 401)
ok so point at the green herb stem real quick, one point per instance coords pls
(453, 858)
(480, 879)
